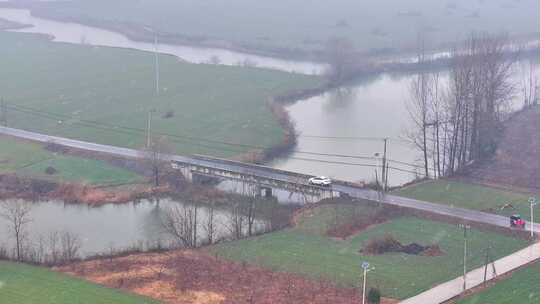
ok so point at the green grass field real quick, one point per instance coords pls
(23, 284)
(302, 24)
(471, 196)
(521, 287)
(31, 159)
(306, 250)
(117, 87)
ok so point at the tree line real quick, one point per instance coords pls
(458, 121)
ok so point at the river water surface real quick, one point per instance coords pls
(113, 226)
(81, 34)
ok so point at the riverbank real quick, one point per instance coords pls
(142, 33)
(10, 25)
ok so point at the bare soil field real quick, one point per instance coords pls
(197, 277)
(516, 163)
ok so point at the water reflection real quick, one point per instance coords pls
(117, 226)
(352, 121)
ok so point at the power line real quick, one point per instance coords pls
(176, 138)
(197, 139)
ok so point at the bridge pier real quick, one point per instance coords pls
(265, 192)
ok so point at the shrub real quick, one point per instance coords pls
(374, 296)
(51, 170)
(382, 245)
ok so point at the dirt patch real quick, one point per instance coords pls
(388, 244)
(196, 277)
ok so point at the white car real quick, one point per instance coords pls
(320, 181)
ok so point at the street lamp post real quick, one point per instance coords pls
(532, 202)
(365, 267)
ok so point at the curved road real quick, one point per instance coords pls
(279, 175)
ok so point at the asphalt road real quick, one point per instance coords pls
(279, 175)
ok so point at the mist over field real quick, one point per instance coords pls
(385, 25)
(287, 151)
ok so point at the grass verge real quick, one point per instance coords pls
(23, 284)
(470, 196)
(521, 287)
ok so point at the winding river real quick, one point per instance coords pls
(369, 109)
(348, 121)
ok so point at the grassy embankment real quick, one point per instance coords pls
(521, 287)
(23, 284)
(470, 196)
(117, 87)
(305, 249)
(31, 160)
(272, 25)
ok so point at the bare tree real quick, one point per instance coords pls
(530, 84)
(71, 245)
(156, 157)
(181, 223)
(341, 58)
(54, 251)
(17, 214)
(210, 225)
(236, 221)
(420, 107)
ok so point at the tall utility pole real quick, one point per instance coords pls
(156, 59)
(465, 241)
(384, 176)
(149, 129)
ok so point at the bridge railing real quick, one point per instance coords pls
(270, 169)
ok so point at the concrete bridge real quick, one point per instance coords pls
(261, 178)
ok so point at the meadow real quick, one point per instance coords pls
(105, 95)
(32, 159)
(306, 249)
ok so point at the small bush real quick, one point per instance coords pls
(374, 296)
(51, 171)
(382, 245)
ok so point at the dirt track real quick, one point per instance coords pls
(517, 160)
